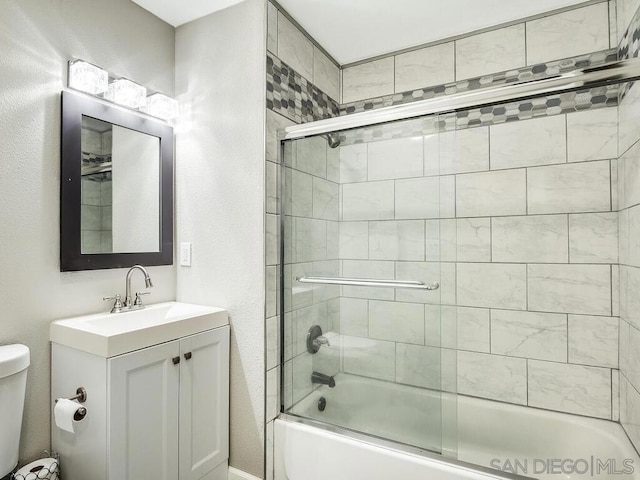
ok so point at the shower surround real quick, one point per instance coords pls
(530, 274)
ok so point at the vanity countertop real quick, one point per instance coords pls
(111, 334)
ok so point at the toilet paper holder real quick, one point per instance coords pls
(81, 397)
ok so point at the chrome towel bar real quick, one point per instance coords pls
(368, 282)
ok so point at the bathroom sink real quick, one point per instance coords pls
(111, 334)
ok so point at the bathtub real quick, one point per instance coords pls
(488, 440)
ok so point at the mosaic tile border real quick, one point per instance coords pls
(532, 72)
(601, 97)
(630, 44)
(629, 47)
(293, 96)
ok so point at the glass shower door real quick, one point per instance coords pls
(369, 317)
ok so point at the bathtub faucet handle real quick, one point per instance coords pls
(322, 340)
(315, 339)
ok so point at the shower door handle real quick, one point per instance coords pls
(369, 282)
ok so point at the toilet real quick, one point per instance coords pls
(14, 361)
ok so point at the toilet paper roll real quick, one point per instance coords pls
(64, 412)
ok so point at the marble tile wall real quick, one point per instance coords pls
(629, 216)
(518, 224)
(629, 225)
(292, 47)
(303, 85)
(312, 237)
(577, 233)
(569, 34)
(294, 96)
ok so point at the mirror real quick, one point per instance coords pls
(116, 187)
(120, 189)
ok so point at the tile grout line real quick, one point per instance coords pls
(394, 74)
(490, 331)
(568, 333)
(526, 50)
(527, 382)
(568, 238)
(526, 286)
(612, 396)
(491, 241)
(455, 60)
(611, 182)
(611, 284)
(566, 138)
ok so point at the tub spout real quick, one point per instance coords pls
(323, 379)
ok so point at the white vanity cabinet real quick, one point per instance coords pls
(169, 409)
(143, 409)
(160, 412)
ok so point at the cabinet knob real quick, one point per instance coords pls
(187, 356)
(175, 360)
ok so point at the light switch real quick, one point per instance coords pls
(185, 254)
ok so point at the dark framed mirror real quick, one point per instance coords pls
(116, 187)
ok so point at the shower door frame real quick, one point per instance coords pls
(581, 79)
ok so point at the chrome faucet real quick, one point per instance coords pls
(128, 303)
(321, 378)
(315, 339)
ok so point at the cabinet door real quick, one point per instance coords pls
(204, 402)
(143, 414)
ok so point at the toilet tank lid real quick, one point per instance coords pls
(13, 359)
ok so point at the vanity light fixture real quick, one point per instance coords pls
(161, 106)
(126, 93)
(87, 77)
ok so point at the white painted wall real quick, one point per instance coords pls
(136, 191)
(220, 83)
(37, 39)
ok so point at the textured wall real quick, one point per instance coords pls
(38, 38)
(220, 65)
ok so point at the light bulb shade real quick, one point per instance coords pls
(126, 93)
(88, 78)
(161, 106)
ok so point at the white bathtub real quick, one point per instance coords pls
(515, 439)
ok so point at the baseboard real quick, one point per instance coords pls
(235, 474)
